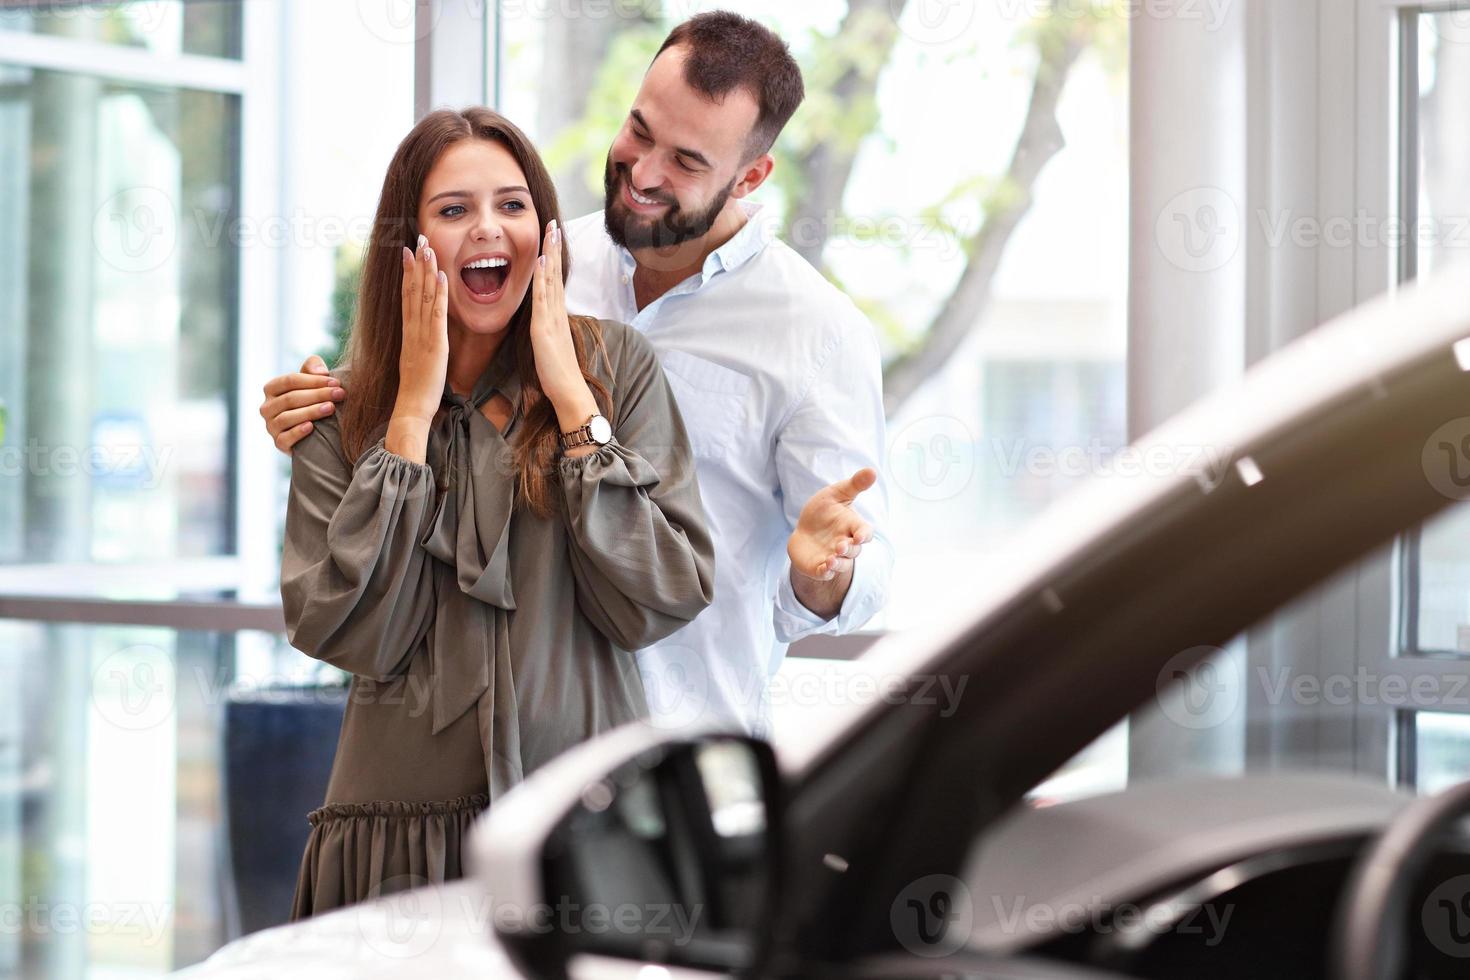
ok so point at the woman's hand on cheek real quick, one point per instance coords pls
(423, 362)
(551, 331)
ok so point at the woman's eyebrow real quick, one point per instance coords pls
(513, 189)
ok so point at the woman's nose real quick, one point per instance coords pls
(487, 229)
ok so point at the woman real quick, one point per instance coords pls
(482, 576)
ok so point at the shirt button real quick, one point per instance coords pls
(625, 279)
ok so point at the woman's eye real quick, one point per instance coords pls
(519, 206)
(457, 209)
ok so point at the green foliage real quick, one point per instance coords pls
(617, 83)
(345, 281)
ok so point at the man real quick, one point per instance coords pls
(777, 374)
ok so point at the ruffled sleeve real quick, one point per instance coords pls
(641, 553)
(356, 586)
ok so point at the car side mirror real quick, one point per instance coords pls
(662, 850)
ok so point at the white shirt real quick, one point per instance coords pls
(779, 379)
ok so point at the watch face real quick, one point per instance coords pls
(601, 430)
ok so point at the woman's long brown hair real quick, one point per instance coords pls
(376, 339)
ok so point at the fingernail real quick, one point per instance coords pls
(556, 236)
(443, 278)
(407, 254)
(423, 241)
(429, 254)
(338, 394)
(541, 261)
(325, 408)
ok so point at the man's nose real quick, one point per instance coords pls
(644, 174)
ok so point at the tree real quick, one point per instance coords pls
(817, 153)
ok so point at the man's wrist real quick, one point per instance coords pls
(822, 598)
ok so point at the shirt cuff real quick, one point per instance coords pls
(794, 621)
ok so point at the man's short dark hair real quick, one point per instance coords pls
(724, 52)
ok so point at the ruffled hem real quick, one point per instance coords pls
(358, 851)
(396, 809)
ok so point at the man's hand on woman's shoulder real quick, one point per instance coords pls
(293, 401)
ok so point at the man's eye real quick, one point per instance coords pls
(457, 208)
(685, 165)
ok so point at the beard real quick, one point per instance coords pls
(674, 227)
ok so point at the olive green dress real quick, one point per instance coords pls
(482, 639)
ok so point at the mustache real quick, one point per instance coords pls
(623, 175)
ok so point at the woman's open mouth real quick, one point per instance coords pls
(486, 278)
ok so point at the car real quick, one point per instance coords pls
(901, 835)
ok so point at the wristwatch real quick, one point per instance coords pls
(595, 431)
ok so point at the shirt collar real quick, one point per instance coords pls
(744, 245)
(499, 375)
(757, 232)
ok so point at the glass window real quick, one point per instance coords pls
(1442, 232)
(1442, 750)
(1015, 315)
(166, 27)
(117, 321)
(1436, 559)
(1003, 326)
